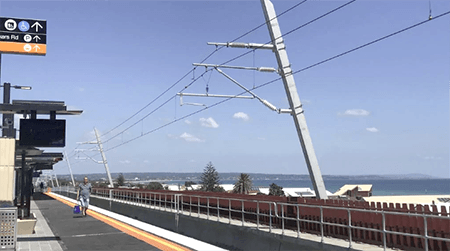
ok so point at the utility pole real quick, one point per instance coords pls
(100, 148)
(70, 168)
(56, 179)
(294, 101)
(105, 162)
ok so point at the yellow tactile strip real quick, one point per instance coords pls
(153, 240)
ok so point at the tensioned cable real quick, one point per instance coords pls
(206, 58)
(157, 108)
(301, 26)
(295, 29)
(272, 81)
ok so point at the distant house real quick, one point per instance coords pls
(354, 191)
(304, 192)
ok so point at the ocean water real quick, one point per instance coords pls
(380, 187)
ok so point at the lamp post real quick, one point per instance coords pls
(8, 119)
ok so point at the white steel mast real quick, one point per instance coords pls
(285, 72)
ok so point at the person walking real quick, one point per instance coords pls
(84, 191)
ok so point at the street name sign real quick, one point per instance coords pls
(23, 36)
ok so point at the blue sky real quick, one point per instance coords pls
(383, 109)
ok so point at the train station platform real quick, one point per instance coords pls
(58, 228)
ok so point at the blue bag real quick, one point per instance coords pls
(76, 209)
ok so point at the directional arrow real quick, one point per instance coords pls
(36, 47)
(37, 38)
(37, 26)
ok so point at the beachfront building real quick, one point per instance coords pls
(354, 191)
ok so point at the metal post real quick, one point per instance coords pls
(242, 208)
(218, 210)
(8, 119)
(282, 219)
(349, 228)
(321, 224)
(51, 179)
(298, 222)
(56, 178)
(229, 211)
(70, 168)
(105, 162)
(22, 184)
(384, 229)
(207, 201)
(270, 220)
(294, 100)
(28, 185)
(257, 214)
(425, 226)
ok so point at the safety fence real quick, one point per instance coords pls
(408, 227)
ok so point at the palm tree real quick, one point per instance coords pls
(243, 185)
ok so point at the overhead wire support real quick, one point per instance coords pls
(213, 95)
(265, 102)
(261, 69)
(244, 45)
(192, 70)
(271, 82)
(100, 148)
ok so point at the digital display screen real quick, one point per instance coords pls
(42, 133)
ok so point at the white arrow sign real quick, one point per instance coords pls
(36, 38)
(36, 48)
(37, 26)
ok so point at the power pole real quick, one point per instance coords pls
(56, 178)
(70, 168)
(100, 148)
(294, 101)
(105, 162)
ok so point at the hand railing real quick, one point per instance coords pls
(242, 210)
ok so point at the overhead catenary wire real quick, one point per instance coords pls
(157, 108)
(289, 32)
(277, 79)
(193, 69)
(293, 30)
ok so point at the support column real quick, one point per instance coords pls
(70, 168)
(105, 162)
(294, 100)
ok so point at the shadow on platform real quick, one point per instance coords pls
(42, 238)
(40, 196)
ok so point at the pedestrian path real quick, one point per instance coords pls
(43, 239)
(159, 237)
(74, 232)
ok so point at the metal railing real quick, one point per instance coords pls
(208, 206)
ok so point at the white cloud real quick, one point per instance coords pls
(190, 138)
(355, 112)
(372, 129)
(125, 161)
(241, 115)
(187, 122)
(209, 122)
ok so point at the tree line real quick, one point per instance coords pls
(209, 182)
